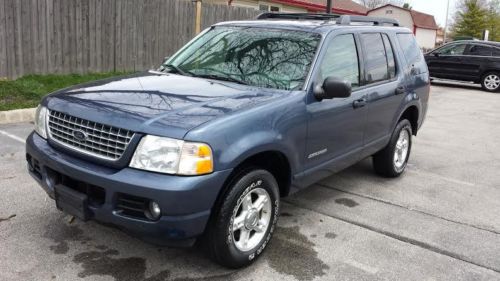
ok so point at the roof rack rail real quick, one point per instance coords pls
(340, 19)
(348, 19)
(297, 16)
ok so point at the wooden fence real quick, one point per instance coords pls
(78, 36)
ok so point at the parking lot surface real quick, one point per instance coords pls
(439, 221)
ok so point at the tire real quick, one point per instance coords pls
(491, 81)
(392, 160)
(224, 240)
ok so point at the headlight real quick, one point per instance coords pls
(41, 120)
(171, 156)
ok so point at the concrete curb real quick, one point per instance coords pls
(17, 115)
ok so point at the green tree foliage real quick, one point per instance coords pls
(474, 16)
(407, 6)
(493, 20)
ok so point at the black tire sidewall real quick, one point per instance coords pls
(226, 251)
(484, 77)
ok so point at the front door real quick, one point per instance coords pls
(335, 127)
(446, 62)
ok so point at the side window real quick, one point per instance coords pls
(479, 50)
(391, 64)
(375, 58)
(341, 60)
(410, 48)
(454, 50)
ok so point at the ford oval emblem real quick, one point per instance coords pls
(79, 135)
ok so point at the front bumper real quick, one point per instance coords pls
(185, 202)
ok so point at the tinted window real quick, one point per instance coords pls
(375, 58)
(410, 47)
(479, 50)
(256, 56)
(341, 60)
(390, 56)
(455, 49)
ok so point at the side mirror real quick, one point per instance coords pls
(333, 87)
(436, 54)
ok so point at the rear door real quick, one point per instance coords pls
(477, 58)
(384, 89)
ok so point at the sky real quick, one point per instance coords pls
(437, 8)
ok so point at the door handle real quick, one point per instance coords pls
(400, 90)
(359, 103)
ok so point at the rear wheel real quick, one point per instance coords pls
(391, 161)
(491, 82)
(244, 223)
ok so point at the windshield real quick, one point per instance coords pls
(260, 57)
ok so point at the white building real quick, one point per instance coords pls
(423, 25)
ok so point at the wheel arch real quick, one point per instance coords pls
(412, 114)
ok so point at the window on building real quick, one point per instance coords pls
(388, 12)
(268, 8)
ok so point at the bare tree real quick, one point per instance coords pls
(371, 4)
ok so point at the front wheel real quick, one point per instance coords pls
(245, 221)
(491, 82)
(391, 161)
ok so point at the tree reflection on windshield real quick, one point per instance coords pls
(256, 56)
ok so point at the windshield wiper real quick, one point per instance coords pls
(177, 69)
(223, 78)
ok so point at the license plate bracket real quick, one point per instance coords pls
(72, 202)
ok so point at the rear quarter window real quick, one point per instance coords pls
(410, 48)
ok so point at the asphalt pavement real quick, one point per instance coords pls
(439, 221)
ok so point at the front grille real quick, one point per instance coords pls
(88, 137)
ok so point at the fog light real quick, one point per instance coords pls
(154, 210)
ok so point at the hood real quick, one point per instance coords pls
(157, 103)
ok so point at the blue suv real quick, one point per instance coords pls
(246, 113)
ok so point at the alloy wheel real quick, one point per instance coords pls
(251, 219)
(492, 82)
(401, 151)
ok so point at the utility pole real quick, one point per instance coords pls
(329, 4)
(446, 22)
(197, 26)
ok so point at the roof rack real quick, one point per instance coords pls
(348, 19)
(297, 16)
(340, 19)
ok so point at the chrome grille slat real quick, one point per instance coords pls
(80, 144)
(102, 141)
(92, 135)
(129, 135)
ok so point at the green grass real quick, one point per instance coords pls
(27, 91)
